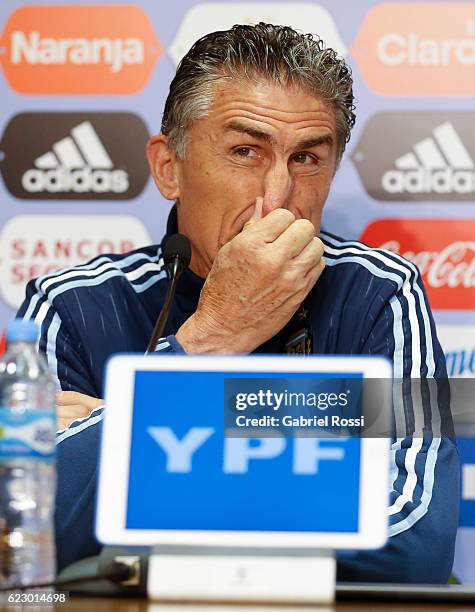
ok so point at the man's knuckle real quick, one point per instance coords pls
(316, 254)
(320, 246)
(305, 226)
(70, 397)
(270, 263)
(229, 247)
(282, 213)
(321, 264)
(292, 276)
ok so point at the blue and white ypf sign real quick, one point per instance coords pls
(187, 465)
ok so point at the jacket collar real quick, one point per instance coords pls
(188, 288)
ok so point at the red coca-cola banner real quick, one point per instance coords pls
(444, 251)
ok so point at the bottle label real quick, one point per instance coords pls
(29, 434)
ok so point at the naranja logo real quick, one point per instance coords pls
(442, 249)
(418, 49)
(78, 49)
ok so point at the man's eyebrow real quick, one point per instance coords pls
(242, 128)
(308, 143)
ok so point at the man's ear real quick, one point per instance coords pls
(163, 166)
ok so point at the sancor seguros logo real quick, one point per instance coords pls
(33, 245)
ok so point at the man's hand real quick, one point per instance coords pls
(73, 405)
(257, 282)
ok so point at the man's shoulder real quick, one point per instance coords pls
(365, 297)
(137, 270)
(355, 260)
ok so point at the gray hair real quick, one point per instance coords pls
(275, 53)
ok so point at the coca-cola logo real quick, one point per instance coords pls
(450, 267)
(443, 250)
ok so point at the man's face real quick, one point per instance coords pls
(258, 139)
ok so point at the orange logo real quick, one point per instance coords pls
(79, 49)
(442, 249)
(418, 49)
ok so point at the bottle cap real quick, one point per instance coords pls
(22, 330)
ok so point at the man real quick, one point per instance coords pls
(254, 127)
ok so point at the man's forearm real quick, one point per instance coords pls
(195, 337)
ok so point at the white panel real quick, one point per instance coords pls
(468, 481)
(452, 147)
(429, 155)
(90, 146)
(407, 162)
(68, 153)
(46, 161)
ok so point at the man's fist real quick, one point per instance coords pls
(257, 282)
(73, 405)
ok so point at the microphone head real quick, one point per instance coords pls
(178, 246)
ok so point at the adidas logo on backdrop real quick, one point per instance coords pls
(74, 156)
(418, 156)
(439, 164)
(78, 163)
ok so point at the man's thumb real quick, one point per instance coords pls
(257, 214)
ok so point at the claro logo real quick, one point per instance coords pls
(78, 49)
(442, 249)
(418, 156)
(74, 156)
(418, 49)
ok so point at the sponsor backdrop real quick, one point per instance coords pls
(83, 86)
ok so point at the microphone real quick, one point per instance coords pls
(176, 256)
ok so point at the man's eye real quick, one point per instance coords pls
(245, 152)
(304, 159)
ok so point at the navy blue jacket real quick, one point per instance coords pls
(367, 301)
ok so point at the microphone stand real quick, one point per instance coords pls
(177, 256)
(175, 268)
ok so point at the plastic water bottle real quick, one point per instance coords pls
(27, 460)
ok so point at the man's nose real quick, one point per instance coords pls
(277, 188)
